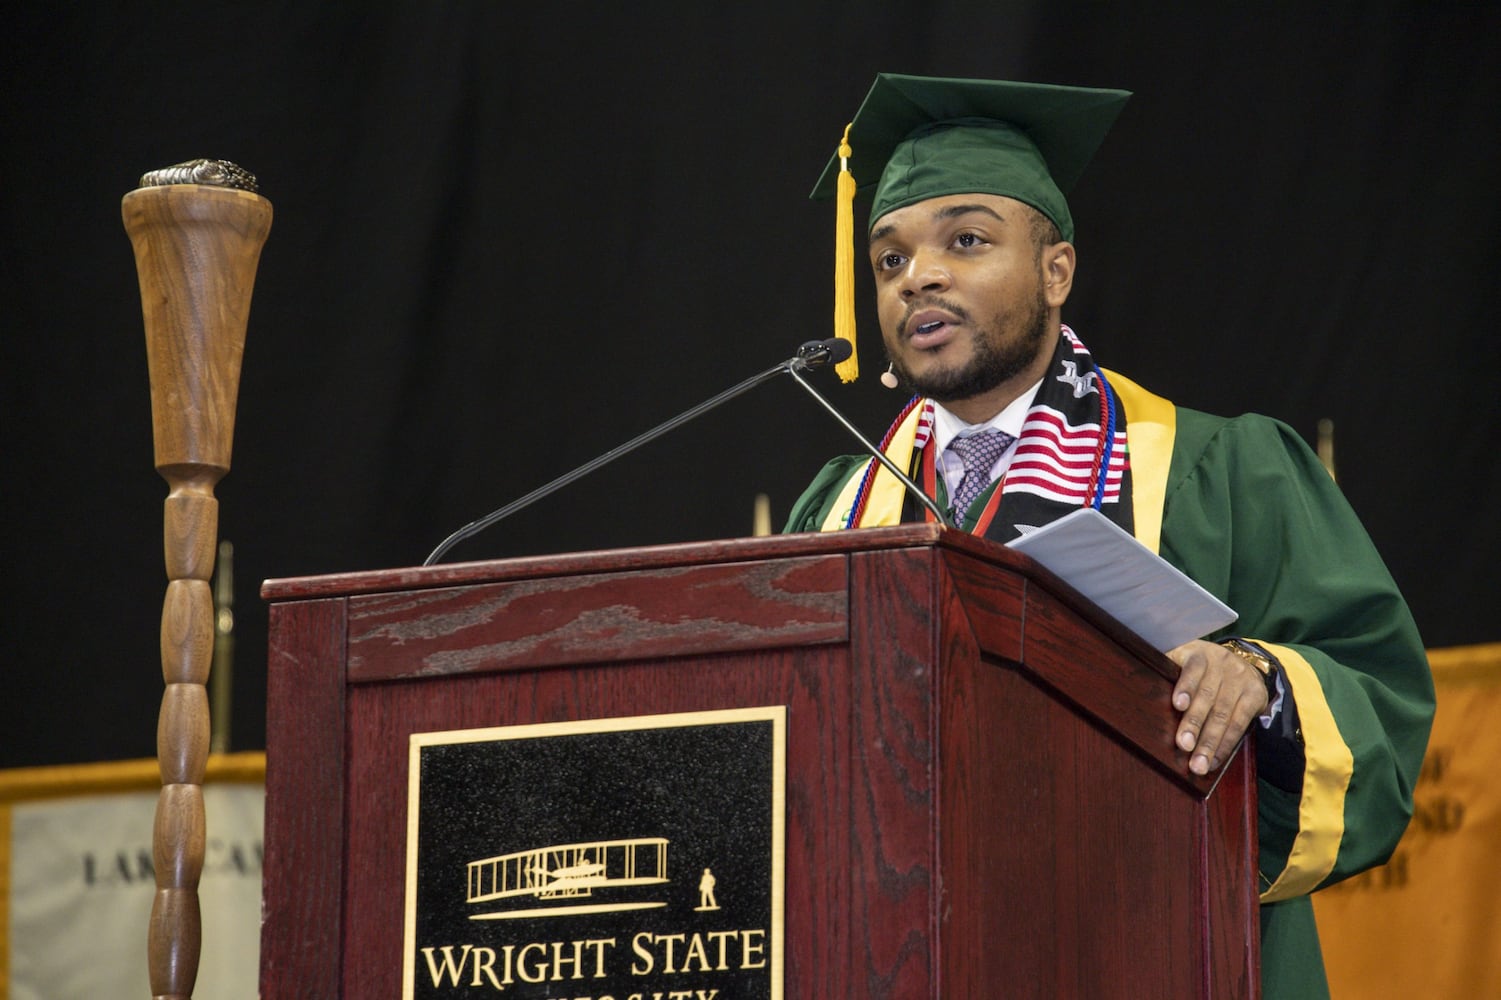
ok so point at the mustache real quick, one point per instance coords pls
(933, 302)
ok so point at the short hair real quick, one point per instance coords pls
(1043, 230)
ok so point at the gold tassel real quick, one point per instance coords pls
(844, 261)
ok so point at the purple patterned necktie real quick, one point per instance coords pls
(978, 452)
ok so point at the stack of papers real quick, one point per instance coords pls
(1130, 582)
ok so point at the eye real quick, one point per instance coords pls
(890, 261)
(967, 240)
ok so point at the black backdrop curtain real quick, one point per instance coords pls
(508, 237)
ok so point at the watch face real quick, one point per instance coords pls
(1250, 654)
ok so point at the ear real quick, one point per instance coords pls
(1057, 273)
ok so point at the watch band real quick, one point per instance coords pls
(1258, 658)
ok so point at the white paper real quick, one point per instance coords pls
(1130, 582)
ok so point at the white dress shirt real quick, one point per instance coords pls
(946, 427)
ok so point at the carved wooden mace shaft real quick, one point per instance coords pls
(196, 249)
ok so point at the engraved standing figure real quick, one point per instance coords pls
(706, 899)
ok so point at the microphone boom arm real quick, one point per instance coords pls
(810, 355)
(906, 481)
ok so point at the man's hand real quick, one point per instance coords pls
(1219, 694)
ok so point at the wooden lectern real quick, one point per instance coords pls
(983, 797)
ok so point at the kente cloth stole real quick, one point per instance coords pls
(1072, 453)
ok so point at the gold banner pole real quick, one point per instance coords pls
(221, 675)
(197, 230)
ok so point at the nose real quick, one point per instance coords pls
(924, 274)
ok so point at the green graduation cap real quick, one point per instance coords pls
(918, 137)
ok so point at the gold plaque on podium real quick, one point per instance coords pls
(604, 858)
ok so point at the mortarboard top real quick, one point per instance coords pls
(918, 137)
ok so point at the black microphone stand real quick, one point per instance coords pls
(813, 354)
(906, 481)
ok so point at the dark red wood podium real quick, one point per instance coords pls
(983, 795)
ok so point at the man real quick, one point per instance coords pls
(1014, 426)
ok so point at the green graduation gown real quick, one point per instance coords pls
(1245, 508)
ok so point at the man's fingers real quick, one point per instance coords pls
(1227, 723)
(1200, 706)
(1219, 694)
(1191, 667)
(1211, 735)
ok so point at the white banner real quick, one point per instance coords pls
(82, 883)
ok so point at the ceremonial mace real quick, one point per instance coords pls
(197, 229)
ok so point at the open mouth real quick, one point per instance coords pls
(930, 328)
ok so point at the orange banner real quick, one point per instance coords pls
(1428, 923)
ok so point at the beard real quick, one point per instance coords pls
(994, 360)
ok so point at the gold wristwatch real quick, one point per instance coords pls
(1254, 655)
(1258, 658)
